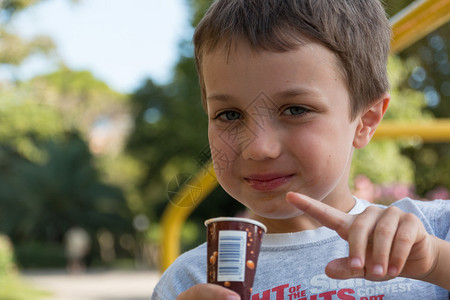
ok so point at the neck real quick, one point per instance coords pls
(302, 221)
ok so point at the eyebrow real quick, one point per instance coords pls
(286, 94)
(219, 97)
(294, 92)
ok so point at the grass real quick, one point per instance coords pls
(11, 285)
(13, 288)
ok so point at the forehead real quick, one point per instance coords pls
(226, 66)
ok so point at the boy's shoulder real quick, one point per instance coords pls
(190, 263)
(434, 214)
(194, 255)
(187, 270)
(429, 208)
(425, 205)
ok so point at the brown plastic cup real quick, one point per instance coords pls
(233, 249)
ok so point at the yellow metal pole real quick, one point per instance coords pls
(433, 131)
(417, 20)
(179, 208)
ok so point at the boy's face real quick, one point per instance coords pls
(279, 122)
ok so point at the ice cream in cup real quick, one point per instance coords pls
(232, 252)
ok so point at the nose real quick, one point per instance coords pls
(266, 143)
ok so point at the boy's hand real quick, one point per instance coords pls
(383, 243)
(207, 291)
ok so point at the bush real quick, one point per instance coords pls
(11, 287)
(7, 266)
(39, 255)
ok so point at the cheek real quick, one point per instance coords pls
(317, 153)
(309, 147)
(222, 155)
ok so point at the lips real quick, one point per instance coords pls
(267, 182)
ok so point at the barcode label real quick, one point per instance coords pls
(231, 260)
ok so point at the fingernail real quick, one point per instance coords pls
(393, 271)
(355, 263)
(377, 270)
(233, 297)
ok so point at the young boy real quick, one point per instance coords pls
(291, 88)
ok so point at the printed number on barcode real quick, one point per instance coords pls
(231, 260)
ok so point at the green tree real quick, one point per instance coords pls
(429, 72)
(77, 95)
(41, 201)
(61, 144)
(15, 49)
(169, 132)
(383, 161)
(46, 122)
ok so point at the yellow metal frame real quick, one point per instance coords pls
(178, 210)
(434, 131)
(417, 20)
(408, 26)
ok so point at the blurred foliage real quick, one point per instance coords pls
(169, 132)
(429, 73)
(78, 96)
(7, 266)
(13, 48)
(11, 286)
(57, 131)
(11, 7)
(43, 148)
(60, 192)
(428, 68)
(382, 161)
(40, 255)
(125, 172)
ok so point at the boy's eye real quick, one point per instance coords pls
(229, 115)
(295, 110)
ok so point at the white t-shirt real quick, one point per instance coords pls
(291, 265)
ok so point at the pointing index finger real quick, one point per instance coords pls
(328, 216)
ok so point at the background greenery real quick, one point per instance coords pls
(74, 152)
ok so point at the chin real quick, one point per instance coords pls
(277, 214)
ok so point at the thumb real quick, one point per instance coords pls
(340, 269)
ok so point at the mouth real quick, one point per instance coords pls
(267, 182)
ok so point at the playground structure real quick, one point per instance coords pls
(409, 25)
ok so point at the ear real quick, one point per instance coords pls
(369, 121)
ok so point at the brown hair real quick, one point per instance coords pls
(357, 31)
